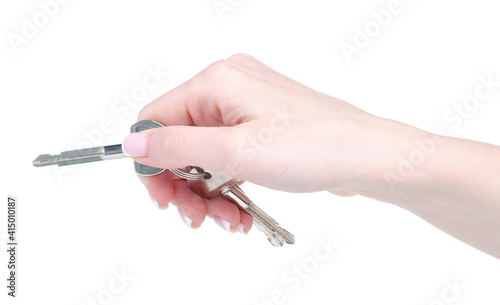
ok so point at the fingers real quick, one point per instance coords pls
(246, 222)
(171, 108)
(160, 188)
(228, 216)
(193, 209)
(225, 214)
(194, 102)
(208, 99)
(213, 97)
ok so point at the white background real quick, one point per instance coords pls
(76, 227)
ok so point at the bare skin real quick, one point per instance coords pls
(241, 118)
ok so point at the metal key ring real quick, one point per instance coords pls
(145, 170)
(201, 175)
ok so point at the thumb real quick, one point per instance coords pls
(180, 146)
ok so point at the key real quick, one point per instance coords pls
(81, 156)
(276, 235)
(100, 153)
(214, 184)
(203, 182)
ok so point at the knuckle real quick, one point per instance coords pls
(221, 71)
(218, 79)
(240, 57)
(220, 68)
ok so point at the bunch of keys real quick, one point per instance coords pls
(203, 182)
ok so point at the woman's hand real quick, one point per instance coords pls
(240, 118)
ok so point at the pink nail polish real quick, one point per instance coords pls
(134, 145)
(155, 203)
(222, 223)
(188, 221)
(241, 228)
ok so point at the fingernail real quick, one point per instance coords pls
(134, 145)
(155, 203)
(188, 221)
(222, 223)
(240, 228)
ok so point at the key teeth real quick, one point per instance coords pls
(276, 241)
(44, 160)
(290, 238)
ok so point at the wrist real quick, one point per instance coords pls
(400, 168)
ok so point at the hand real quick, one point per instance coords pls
(240, 118)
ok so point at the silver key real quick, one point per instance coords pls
(204, 182)
(81, 156)
(100, 153)
(212, 184)
(276, 235)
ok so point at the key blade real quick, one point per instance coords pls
(80, 156)
(45, 160)
(70, 157)
(276, 235)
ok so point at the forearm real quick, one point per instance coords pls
(457, 189)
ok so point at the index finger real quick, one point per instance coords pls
(200, 101)
(171, 108)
